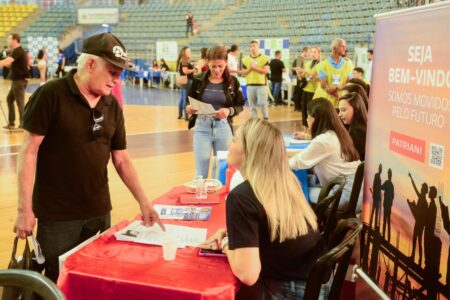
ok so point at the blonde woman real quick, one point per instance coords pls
(271, 239)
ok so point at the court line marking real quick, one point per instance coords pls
(131, 134)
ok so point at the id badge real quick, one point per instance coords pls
(336, 79)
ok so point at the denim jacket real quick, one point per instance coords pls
(235, 99)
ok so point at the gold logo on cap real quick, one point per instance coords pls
(119, 52)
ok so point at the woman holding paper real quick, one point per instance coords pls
(272, 238)
(331, 151)
(221, 90)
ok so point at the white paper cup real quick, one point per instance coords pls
(169, 247)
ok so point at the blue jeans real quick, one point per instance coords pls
(183, 100)
(210, 133)
(292, 290)
(58, 237)
(182, 103)
(275, 89)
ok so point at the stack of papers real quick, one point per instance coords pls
(138, 233)
(289, 140)
(187, 213)
(202, 108)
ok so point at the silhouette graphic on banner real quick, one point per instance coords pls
(406, 277)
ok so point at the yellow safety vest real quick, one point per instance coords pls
(312, 85)
(335, 77)
(255, 77)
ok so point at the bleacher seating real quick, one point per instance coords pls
(53, 22)
(305, 23)
(13, 14)
(143, 24)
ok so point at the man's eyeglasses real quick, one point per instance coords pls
(97, 129)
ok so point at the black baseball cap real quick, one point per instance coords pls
(108, 47)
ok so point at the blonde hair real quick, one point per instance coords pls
(318, 50)
(267, 169)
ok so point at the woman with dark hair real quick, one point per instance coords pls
(163, 66)
(362, 83)
(331, 151)
(218, 88)
(184, 67)
(356, 88)
(353, 113)
(61, 63)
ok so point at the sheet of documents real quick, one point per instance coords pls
(201, 107)
(138, 233)
(289, 140)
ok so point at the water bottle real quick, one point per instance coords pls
(201, 192)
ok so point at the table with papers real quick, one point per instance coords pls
(111, 269)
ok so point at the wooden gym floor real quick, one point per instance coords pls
(159, 144)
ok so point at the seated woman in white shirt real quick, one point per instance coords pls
(331, 151)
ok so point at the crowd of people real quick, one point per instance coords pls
(271, 237)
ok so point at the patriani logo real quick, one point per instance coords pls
(118, 52)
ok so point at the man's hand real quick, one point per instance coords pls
(150, 216)
(24, 225)
(222, 113)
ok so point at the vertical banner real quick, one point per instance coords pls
(405, 244)
(269, 46)
(167, 50)
(36, 43)
(361, 58)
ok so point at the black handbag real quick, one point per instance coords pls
(25, 263)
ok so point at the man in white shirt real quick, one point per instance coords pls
(233, 65)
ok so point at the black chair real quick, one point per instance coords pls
(343, 241)
(30, 281)
(327, 205)
(350, 211)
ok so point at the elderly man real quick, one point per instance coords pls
(334, 73)
(72, 127)
(18, 64)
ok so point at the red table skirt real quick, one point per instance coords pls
(111, 269)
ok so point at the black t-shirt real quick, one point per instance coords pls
(19, 67)
(189, 20)
(71, 173)
(186, 64)
(276, 70)
(358, 135)
(247, 226)
(165, 66)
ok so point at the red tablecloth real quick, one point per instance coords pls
(111, 269)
